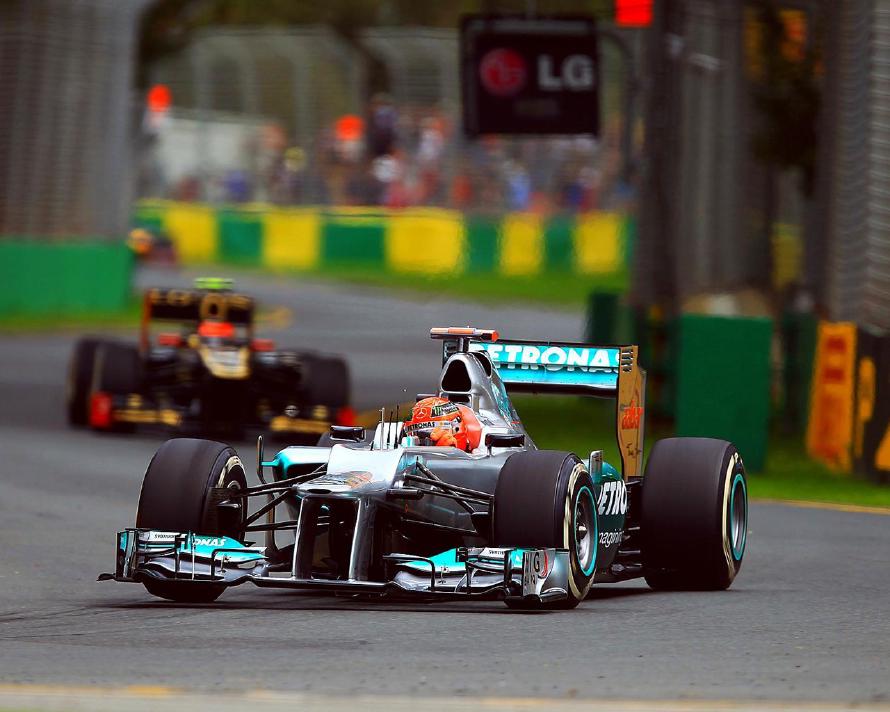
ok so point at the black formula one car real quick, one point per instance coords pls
(210, 374)
(455, 503)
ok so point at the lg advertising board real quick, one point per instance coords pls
(529, 76)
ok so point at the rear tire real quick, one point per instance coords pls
(79, 380)
(177, 494)
(694, 514)
(544, 499)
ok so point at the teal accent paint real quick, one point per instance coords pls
(739, 482)
(596, 534)
(447, 561)
(205, 545)
(546, 364)
(607, 472)
(281, 462)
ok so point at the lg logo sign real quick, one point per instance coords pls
(503, 73)
(574, 74)
(529, 76)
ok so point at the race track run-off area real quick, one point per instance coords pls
(806, 620)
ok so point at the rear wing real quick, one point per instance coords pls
(194, 305)
(187, 306)
(578, 369)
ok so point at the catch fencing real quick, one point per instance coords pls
(66, 116)
(876, 307)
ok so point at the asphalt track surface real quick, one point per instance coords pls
(808, 618)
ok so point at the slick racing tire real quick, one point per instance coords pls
(116, 368)
(178, 495)
(694, 514)
(545, 498)
(117, 371)
(325, 381)
(79, 380)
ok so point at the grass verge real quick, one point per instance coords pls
(18, 323)
(581, 425)
(558, 290)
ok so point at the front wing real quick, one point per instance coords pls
(518, 574)
(109, 411)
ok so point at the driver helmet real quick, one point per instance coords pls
(438, 421)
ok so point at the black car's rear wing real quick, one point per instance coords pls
(569, 368)
(191, 306)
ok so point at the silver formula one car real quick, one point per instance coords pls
(483, 516)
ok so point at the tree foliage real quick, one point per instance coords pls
(168, 24)
(787, 94)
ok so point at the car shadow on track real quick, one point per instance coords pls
(308, 601)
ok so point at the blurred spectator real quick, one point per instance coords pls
(237, 187)
(410, 155)
(382, 121)
(519, 187)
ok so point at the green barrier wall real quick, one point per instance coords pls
(482, 244)
(353, 240)
(723, 382)
(559, 248)
(38, 278)
(240, 236)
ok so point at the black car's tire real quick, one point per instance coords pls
(540, 500)
(117, 368)
(694, 514)
(325, 381)
(79, 380)
(177, 495)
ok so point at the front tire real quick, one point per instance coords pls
(694, 514)
(117, 368)
(178, 494)
(545, 499)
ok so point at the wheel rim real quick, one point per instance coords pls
(230, 523)
(738, 516)
(585, 531)
(233, 522)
